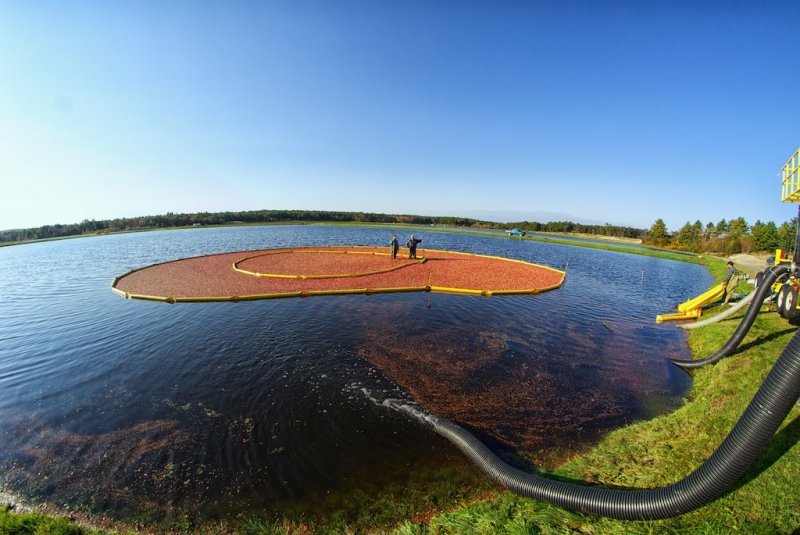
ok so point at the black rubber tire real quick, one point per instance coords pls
(783, 296)
(790, 311)
(780, 302)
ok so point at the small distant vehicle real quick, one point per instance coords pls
(515, 232)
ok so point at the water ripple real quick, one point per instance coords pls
(249, 403)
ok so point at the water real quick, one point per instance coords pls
(128, 407)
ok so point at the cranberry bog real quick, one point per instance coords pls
(307, 271)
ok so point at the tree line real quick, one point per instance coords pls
(171, 220)
(727, 237)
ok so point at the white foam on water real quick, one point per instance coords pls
(400, 405)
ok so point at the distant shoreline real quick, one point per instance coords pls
(494, 233)
(632, 241)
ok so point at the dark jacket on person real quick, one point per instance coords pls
(729, 274)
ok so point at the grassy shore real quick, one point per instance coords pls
(15, 523)
(665, 449)
(643, 455)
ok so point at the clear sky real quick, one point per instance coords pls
(619, 112)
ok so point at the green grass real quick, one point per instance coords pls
(661, 451)
(13, 523)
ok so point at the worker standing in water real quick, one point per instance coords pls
(731, 281)
(412, 246)
(394, 245)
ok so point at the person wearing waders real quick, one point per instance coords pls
(395, 245)
(730, 282)
(412, 246)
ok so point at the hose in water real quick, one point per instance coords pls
(768, 408)
(722, 315)
(761, 293)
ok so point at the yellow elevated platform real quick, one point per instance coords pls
(790, 181)
(691, 309)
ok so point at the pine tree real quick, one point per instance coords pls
(658, 233)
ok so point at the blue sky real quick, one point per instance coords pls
(619, 112)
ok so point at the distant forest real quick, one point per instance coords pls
(725, 237)
(170, 220)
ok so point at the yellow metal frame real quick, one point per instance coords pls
(693, 308)
(715, 292)
(790, 181)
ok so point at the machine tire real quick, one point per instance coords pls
(781, 300)
(790, 311)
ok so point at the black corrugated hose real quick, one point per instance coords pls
(762, 292)
(713, 478)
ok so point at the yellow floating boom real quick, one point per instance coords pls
(678, 316)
